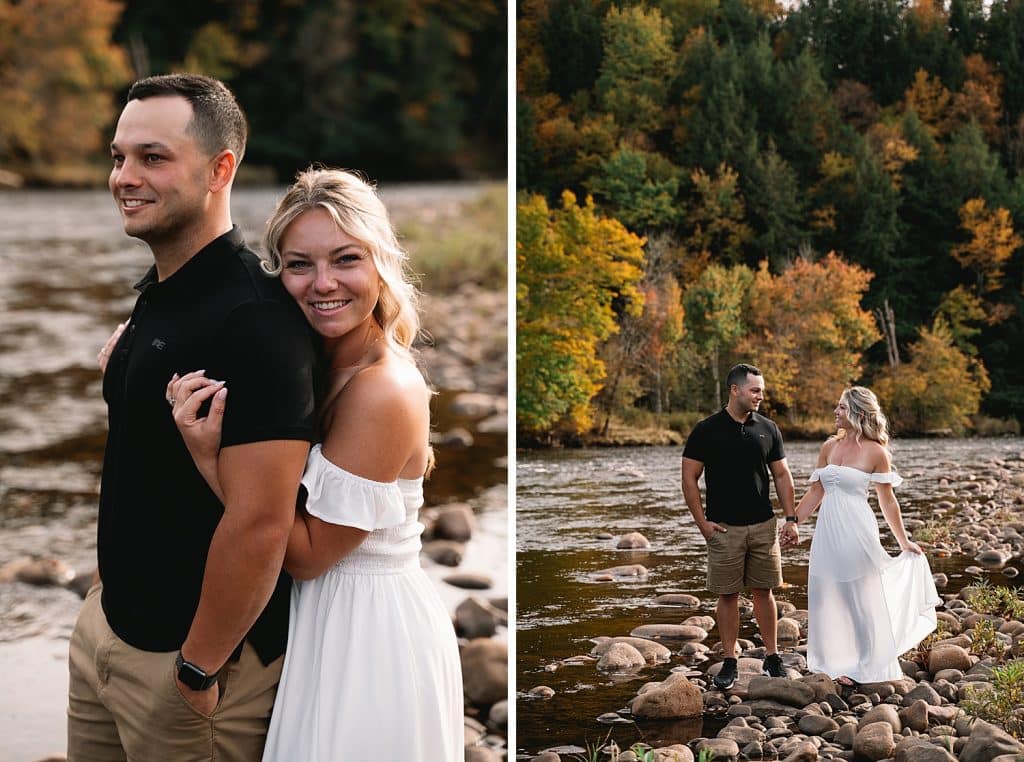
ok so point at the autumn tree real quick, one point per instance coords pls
(930, 99)
(981, 98)
(574, 268)
(991, 243)
(715, 309)
(636, 70)
(939, 388)
(808, 332)
(717, 217)
(58, 72)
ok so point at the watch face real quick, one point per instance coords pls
(191, 675)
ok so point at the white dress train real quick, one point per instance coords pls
(865, 607)
(372, 667)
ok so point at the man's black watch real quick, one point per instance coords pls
(791, 519)
(194, 677)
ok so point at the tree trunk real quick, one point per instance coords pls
(715, 376)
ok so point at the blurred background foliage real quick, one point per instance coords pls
(831, 189)
(401, 89)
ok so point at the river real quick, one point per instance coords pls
(566, 498)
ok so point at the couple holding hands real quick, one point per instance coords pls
(865, 607)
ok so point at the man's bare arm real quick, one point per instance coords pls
(260, 481)
(789, 534)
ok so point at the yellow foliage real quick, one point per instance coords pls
(992, 242)
(59, 69)
(570, 266)
(895, 151)
(980, 98)
(939, 388)
(931, 100)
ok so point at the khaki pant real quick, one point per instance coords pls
(124, 704)
(744, 557)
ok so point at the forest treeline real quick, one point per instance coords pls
(408, 89)
(832, 191)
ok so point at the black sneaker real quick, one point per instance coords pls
(726, 676)
(773, 667)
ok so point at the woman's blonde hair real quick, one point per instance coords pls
(356, 208)
(865, 414)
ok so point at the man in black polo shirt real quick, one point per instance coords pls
(178, 649)
(734, 449)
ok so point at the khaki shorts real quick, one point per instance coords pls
(744, 557)
(124, 704)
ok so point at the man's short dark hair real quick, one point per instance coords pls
(739, 374)
(217, 122)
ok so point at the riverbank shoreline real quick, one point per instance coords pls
(976, 522)
(620, 435)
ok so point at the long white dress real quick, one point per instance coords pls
(865, 607)
(372, 667)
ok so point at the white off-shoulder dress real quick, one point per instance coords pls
(865, 607)
(372, 667)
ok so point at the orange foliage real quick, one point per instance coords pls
(931, 100)
(808, 332)
(992, 243)
(59, 69)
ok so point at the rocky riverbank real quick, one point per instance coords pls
(45, 566)
(962, 689)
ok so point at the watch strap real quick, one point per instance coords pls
(791, 519)
(192, 676)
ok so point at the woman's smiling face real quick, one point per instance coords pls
(330, 274)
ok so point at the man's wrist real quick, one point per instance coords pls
(193, 676)
(791, 520)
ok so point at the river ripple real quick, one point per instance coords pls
(565, 498)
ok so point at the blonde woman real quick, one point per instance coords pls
(372, 666)
(865, 606)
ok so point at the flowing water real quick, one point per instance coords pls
(566, 498)
(66, 275)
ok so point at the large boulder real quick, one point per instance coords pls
(621, 657)
(919, 750)
(874, 741)
(915, 716)
(654, 653)
(882, 713)
(674, 698)
(987, 742)
(719, 748)
(485, 671)
(455, 522)
(816, 725)
(803, 752)
(632, 541)
(821, 684)
(948, 656)
(476, 618)
(792, 692)
(682, 632)
(788, 630)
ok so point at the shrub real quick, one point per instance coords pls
(1003, 703)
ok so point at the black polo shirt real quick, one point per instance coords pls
(157, 515)
(736, 458)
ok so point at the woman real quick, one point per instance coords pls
(865, 607)
(372, 666)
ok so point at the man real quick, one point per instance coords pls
(178, 650)
(735, 448)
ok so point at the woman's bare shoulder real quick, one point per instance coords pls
(386, 392)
